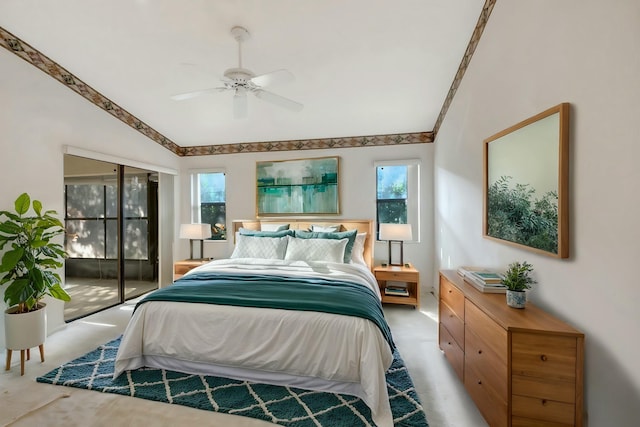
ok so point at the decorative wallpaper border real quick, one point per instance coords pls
(37, 59)
(310, 144)
(471, 48)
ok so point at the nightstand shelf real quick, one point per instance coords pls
(406, 274)
(180, 268)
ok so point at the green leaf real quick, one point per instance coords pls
(17, 292)
(50, 263)
(10, 259)
(57, 292)
(37, 207)
(38, 243)
(11, 228)
(22, 204)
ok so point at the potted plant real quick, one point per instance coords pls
(27, 270)
(517, 279)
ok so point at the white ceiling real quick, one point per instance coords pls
(362, 67)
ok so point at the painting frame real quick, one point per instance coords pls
(529, 160)
(298, 187)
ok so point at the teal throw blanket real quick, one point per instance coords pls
(281, 292)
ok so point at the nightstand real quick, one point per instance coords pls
(407, 294)
(181, 267)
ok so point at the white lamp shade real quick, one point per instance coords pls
(195, 231)
(395, 232)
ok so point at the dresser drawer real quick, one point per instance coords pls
(493, 408)
(489, 367)
(452, 322)
(544, 410)
(452, 351)
(452, 296)
(493, 336)
(541, 388)
(544, 356)
(529, 422)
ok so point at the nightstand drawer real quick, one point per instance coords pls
(180, 268)
(400, 276)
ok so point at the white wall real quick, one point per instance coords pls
(535, 54)
(38, 116)
(357, 194)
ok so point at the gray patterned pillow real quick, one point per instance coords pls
(260, 247)
(328, 250)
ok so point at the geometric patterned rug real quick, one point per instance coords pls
(287, 406)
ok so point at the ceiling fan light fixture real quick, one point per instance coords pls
(240, 33)
(241, 81)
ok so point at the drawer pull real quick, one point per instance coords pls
(479, 351)
(479, 382)
(450, 291)
(449, 343)
(544, 402)
(543, 357)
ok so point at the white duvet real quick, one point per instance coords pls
(311, 350)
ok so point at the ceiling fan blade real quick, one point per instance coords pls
(240, 107)
(274, 77)
(278, 100)
(189, 95)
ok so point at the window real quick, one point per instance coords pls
(398, 193)
(209, 201)
(91, 219)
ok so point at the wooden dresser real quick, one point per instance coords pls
(522, 367)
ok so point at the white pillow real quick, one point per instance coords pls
(260, 247)
(268, 226)
(357, 253)
(328, 250)
(325, 228)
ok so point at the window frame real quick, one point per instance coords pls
(195, 209)
(413, 194)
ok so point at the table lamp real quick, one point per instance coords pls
(195, 232)
(395, 233)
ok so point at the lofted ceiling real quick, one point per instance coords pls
(361, 67)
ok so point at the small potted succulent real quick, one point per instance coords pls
(518, 279)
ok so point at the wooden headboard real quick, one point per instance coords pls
(362, 225)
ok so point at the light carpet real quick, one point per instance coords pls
(286, 406)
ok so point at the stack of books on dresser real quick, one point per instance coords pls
(484, 280)
(397, 291)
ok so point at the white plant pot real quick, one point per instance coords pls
(25, 330)
(516, 299)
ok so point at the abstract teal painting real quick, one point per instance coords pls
(298, 187)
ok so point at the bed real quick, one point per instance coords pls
(289, 307)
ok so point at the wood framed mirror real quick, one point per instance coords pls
(526, 182)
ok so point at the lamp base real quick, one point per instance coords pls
(401, 253)
(201, 250)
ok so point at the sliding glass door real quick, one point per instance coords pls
(111, 234)
(140, 232)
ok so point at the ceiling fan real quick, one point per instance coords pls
(242, 81)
